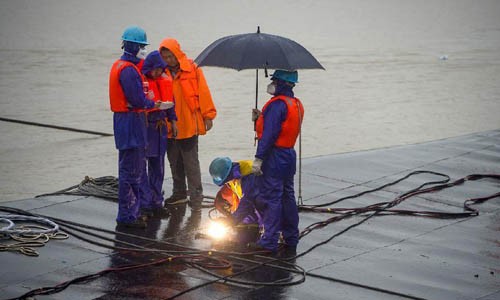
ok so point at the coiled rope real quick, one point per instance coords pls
(26, 237)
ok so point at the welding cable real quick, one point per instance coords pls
(84, 279)
(67, 227)
(67, 223)
(228, 278)
(60, 287)
(364, 286)
(467, 203)
(199, 261)
(447, 178)
(189, 250)
(470, 202)
(10, 224)
(302, 272)
(93, 242)
(383, 206)
(299, 270)
(348, 212)
(381, 209)
(386, 206)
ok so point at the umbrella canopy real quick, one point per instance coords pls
(257, 51)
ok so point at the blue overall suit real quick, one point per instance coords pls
(156, 142)
(277, 195)
(130, 140)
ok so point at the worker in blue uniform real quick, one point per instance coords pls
(128, 101)
(159, 88)
(237, 198)
(277, 127)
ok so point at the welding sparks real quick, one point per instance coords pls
(217, 230)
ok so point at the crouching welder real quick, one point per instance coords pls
(237, 198)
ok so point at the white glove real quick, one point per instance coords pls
(255, 114)
(166, 105)
(256, 166)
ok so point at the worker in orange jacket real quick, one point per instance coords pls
(195, 112)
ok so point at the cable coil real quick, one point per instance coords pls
(45, 221)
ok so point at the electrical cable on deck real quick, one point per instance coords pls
(198, 260)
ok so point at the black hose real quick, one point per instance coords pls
(55, 127)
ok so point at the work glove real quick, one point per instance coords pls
(256, 166)
(255, 114)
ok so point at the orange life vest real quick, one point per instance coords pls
(117, 100)
(290, 128)
(164, 83)
(159, 89)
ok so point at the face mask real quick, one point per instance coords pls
(271, 88)
(142, 53)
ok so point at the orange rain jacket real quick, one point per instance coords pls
(193, 101)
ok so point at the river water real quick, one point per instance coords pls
(397, 72)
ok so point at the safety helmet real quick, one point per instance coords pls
(289, 76)
(135, 34)
(219, 169)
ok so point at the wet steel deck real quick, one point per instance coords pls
(420, 257)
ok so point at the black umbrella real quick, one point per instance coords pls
(257, 51)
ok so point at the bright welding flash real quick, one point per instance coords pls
(217, 230)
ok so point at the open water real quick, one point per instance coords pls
(397, 72)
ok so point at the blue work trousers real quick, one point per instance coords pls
(279, 212)
(131, 167)
(155, 158)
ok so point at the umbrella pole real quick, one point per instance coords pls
(300, 202)
(256, 88)
(256, 102)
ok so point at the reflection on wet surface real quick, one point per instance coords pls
(167, 279)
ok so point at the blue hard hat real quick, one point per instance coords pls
(219, 169)
(135, 34)
(289, 76)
